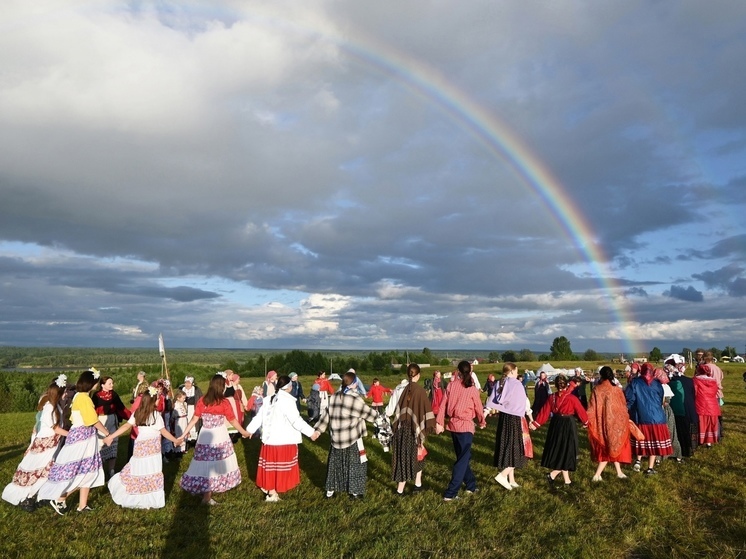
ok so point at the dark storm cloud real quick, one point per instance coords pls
(685, 294)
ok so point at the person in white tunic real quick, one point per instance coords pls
(33, 470)
(140, 483)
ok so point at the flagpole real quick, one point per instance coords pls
(164, 365)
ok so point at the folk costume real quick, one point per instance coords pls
(111, 410)
(509, 399)
(37, 461)
(214, 467)
(685, 413)
(140, 483)
(347, 467)
(706, 389)
(78, 463)
(644, 396)
(561, 447)
(413, 421)
(282, 426)
(608, 425)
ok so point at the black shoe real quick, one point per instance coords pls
(550, 482)
(29, 505)
(356, 496)
(398, 494)
(418, 489)
(650, 472)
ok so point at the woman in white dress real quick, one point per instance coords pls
(78, 464)
(33, 470)
(140, 483)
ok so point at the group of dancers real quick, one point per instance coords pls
(659, 413)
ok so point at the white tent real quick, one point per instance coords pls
(546, 368)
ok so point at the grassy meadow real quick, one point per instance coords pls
(697, 509)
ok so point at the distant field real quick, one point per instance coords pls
(694, 510)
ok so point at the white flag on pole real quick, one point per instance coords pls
(160, 345)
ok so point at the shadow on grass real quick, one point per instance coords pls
(12, 452)
(189, 534)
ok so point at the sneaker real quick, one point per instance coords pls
(85, 509)
(472, 491)
(448, 499)
(502, 480)
(59, 508)
(621, 476)
(272, 498)
(637, 467)
(596, 478)
(650, 472)
(329, 494)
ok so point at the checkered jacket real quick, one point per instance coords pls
(345, 417)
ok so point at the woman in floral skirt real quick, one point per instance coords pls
(214, 468)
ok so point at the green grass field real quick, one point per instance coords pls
(697, 509)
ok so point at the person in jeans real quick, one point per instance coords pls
(462, 404)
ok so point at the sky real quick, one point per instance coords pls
(373, 175)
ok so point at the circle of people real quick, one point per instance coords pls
(660, 412)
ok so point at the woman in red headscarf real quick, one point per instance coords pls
(645, 405)
(706, 402)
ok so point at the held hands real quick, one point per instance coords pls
(316, 435)
(439, 428)
(107, 440)
(532, 426)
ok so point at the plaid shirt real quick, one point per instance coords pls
(345, 417)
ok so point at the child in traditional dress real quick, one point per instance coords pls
(78, 464)
(140, 483)
(179, 421)
(33, 470)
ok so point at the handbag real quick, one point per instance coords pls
(634, 430)
(421, 453)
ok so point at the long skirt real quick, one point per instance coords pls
(278, 468)
(509, 448)
(33, 470)
(345, 472)
(708, 429)
(671, 423)
(561, 447)
(688, 434)
(657, 441)
(140, 483)
(214, 467)
(600, 452)
(78, 464)
(111, 422)
(404, 463)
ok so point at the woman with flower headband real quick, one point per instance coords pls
(111, 411)
(140, 483)
(33, 470)
(214, 467)
(78, 464)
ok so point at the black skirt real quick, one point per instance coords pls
(345, 472)
(404, 463)
(509, 452)
(561, 448)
